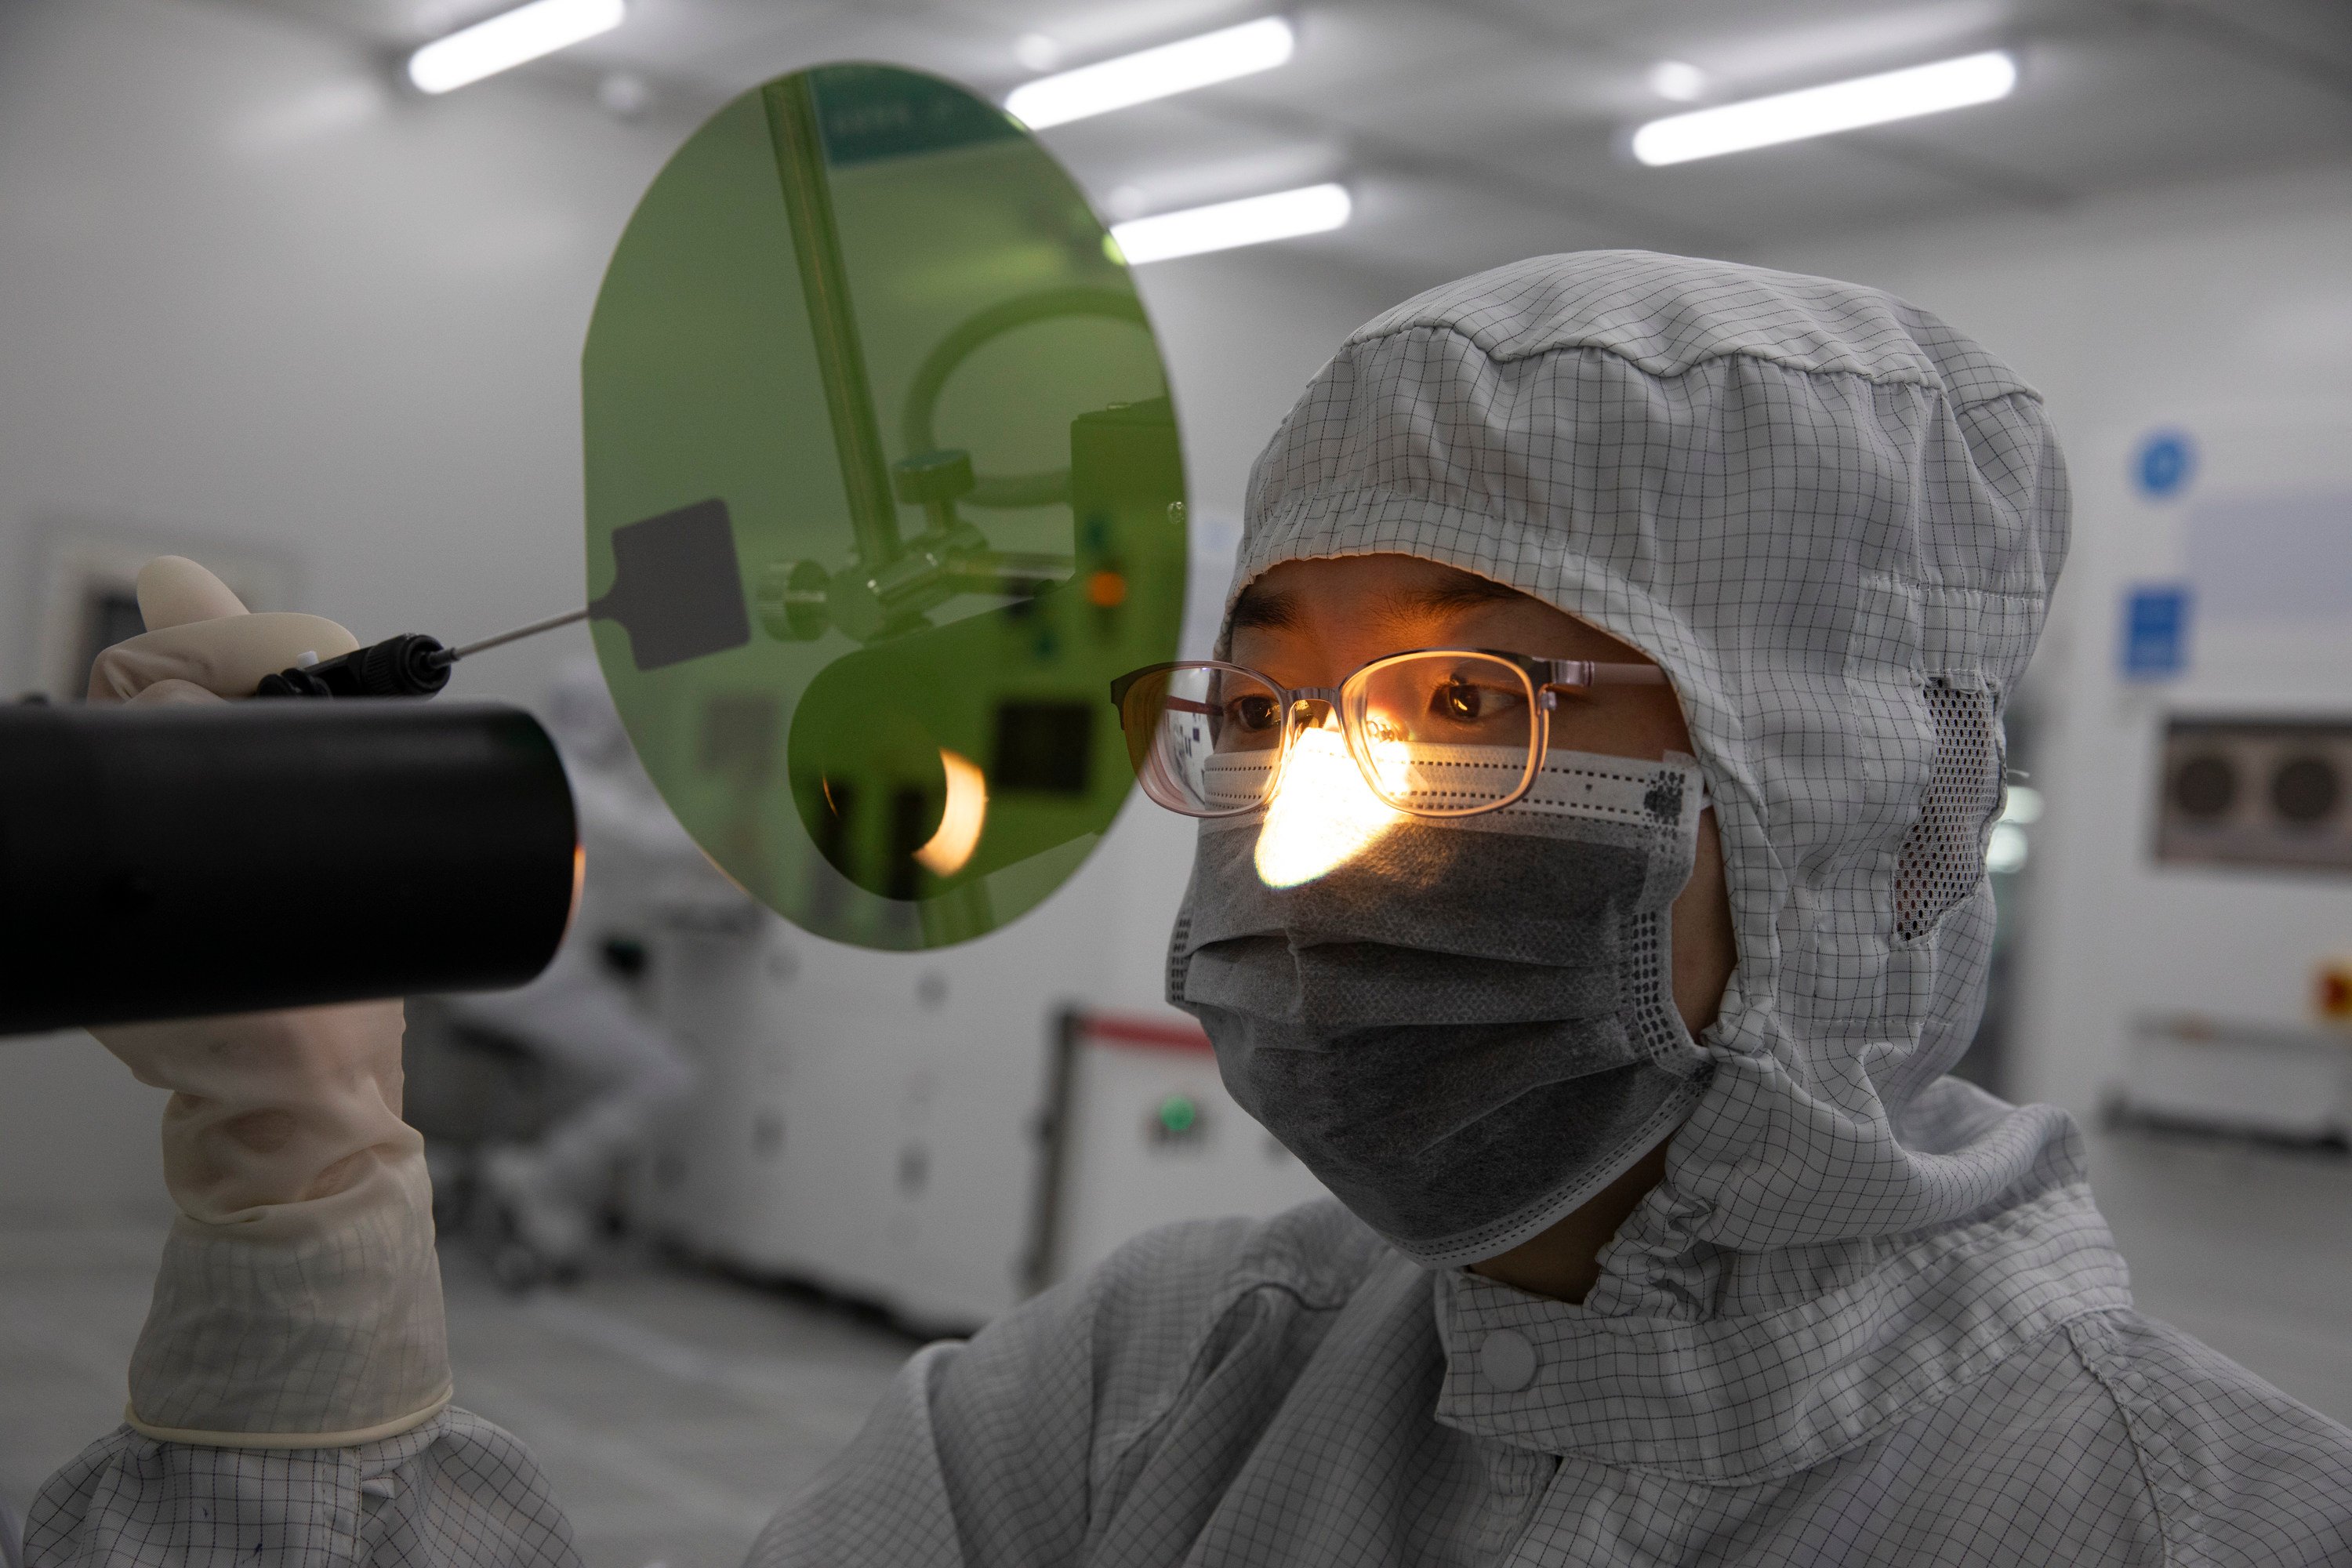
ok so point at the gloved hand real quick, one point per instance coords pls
(202, 644)
(298, 1304)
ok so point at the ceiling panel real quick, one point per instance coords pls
(2144, 107)
(1751, 49)
(1430, 231)
(1472, 130)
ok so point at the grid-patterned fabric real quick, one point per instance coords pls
(1813, 505)
(1870, 1316)
(456, 1490)
(1295, 1393)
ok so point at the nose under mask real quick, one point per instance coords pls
(1467, 1029)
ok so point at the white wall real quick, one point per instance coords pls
(253, 297)
(2129, 313)
(256, 296)
(1242, 332)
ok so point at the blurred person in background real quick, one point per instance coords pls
(586, 1015)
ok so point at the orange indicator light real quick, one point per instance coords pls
(2333, 991)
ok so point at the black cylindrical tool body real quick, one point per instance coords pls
(177, 861)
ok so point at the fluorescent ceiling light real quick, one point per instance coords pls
(1820, 110)
(1171, 68)
(508, 41)
(1311, 209)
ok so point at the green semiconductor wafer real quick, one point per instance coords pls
(868, 330)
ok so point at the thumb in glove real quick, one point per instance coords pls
(202, 643)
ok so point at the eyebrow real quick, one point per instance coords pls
(1452, 597)
(1258, 610)
(1261, 609)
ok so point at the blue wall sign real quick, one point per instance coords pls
(2155, 631)
(2164, 464)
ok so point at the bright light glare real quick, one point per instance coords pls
(1037, 51)
(2024, 806)
(2006, 851)
(1678, 80)
(1253, 220)
(1322, 814)
(1820, 110)
(508, 41)
(1171, 68)
(959, 831)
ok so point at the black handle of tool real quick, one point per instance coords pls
(177, 861)
(408, 665)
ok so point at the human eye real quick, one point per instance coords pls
(1253, 713)
(1464, 697)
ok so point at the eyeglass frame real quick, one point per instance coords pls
(1546, 679)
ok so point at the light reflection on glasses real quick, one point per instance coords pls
(1322, 814)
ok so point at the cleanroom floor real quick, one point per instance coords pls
(673, 1411)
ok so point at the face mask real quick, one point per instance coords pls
(1468, 1028)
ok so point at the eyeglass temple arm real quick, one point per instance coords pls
(1579, 673)
(1119, 688)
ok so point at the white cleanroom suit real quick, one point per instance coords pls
(1870, 1316)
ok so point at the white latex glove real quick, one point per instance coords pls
(298, 1304)
(201, 644)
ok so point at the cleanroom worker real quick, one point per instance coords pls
(1662, 1237)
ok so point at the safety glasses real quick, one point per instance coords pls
(1212, 738)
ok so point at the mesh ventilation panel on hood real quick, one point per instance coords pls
(1943, 855)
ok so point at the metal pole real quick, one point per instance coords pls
(532, 630)
(799, 141)
(1040, 1257)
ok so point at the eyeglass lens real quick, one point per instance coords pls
(1207, 739)
(1442, 734)
(1203, 738)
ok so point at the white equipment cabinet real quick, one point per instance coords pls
(2194, 908)
(1139, 1133)
(883, 1126)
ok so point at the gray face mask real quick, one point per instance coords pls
(1469, 1028)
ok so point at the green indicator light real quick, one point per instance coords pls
(1177, 1113)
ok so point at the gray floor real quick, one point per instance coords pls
(674, 1411)
(2248, 1249)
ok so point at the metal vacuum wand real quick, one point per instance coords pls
(677, 589)
(408, 665)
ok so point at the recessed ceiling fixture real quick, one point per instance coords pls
(1678, 80)
(509, 39)
(1821, 110)
(1037, 51)
(1253, 220)
(1171, 68)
